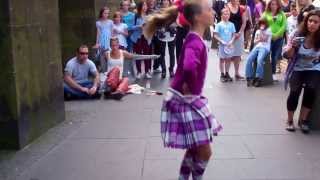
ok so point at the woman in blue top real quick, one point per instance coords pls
(141, 45)
(304, 52)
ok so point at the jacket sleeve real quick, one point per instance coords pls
(283, 26)
(190, 63)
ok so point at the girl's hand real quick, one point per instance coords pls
(237, 35)
(185, 89)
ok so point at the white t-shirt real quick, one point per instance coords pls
(121, 28)
(292, 23)
(265, 34)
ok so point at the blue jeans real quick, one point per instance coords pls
(276, 50)
(74, 93)
(260, 54)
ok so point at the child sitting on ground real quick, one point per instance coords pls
(260, 51)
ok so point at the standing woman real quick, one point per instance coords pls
(182, 29)
(141, 45)
(186, 120)
(305, 60)
(104, 32)
(304, 6)
(166, 35)
(238, 16)
(277, 22)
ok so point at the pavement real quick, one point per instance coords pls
(110, 140)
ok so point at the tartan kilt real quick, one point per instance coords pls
(187, 121)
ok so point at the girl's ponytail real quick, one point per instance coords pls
(155, 21)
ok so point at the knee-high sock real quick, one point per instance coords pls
(186, 166)
(199, 166)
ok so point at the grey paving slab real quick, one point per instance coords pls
(90, 159)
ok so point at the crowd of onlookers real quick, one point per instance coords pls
(262, 28)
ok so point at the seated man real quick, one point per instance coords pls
(77, 84)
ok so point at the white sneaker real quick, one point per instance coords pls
(138, 76)
(148, 75)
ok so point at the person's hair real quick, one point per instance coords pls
(102, 10)
(114, 39)
(117, 14)
(293, 6)
(263, 21)
(139, 8)
(167, 16)
(303, 29)
(299, 6)
(268, 8)
(82, 46)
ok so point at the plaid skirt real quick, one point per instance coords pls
(186, 121)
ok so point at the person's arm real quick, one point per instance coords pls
(191, 62)
(290, 48)
(257, 37)
(244, 22)
(131, 56)
(282, 28)
(96, 80)
(97, 45)
(73, 84)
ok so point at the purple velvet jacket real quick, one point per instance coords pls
(192, 65)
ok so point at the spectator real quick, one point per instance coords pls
(76, 77)
(116, 85)
(141, 45)
(258, 10)
(277, 22)
(120, 30)
(182, 29)
(225, 33)
(303, 51)
(239, 18)
(286, 4)
(304, 6)
(166, 35)
(104, 32)
(259, 52)
(128, 18)
(292, 19)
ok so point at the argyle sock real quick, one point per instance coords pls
(186, 166)
(198, 168)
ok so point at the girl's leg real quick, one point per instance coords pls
(147, 49)
(262, 54)
(236, 61)
(227, 65)
(200, 161)
(123, 85)
(186, 165)
(137, 48)
(162, 59)
(276, 49)
(249, 65)
(309, 96)
(171, 46)
(222, 65)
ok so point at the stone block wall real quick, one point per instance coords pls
(31, 93)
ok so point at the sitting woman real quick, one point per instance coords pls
(259, 52)
(116, 85)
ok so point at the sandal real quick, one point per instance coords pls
(290, 126)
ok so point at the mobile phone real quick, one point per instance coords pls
(299, 39)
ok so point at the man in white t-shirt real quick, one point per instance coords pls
(77, 84)
(292, 21)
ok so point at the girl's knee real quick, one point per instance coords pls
(204, 152)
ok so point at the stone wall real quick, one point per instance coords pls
(31, 93)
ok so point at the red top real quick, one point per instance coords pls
(181, 19)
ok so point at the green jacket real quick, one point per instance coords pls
(278, 27)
